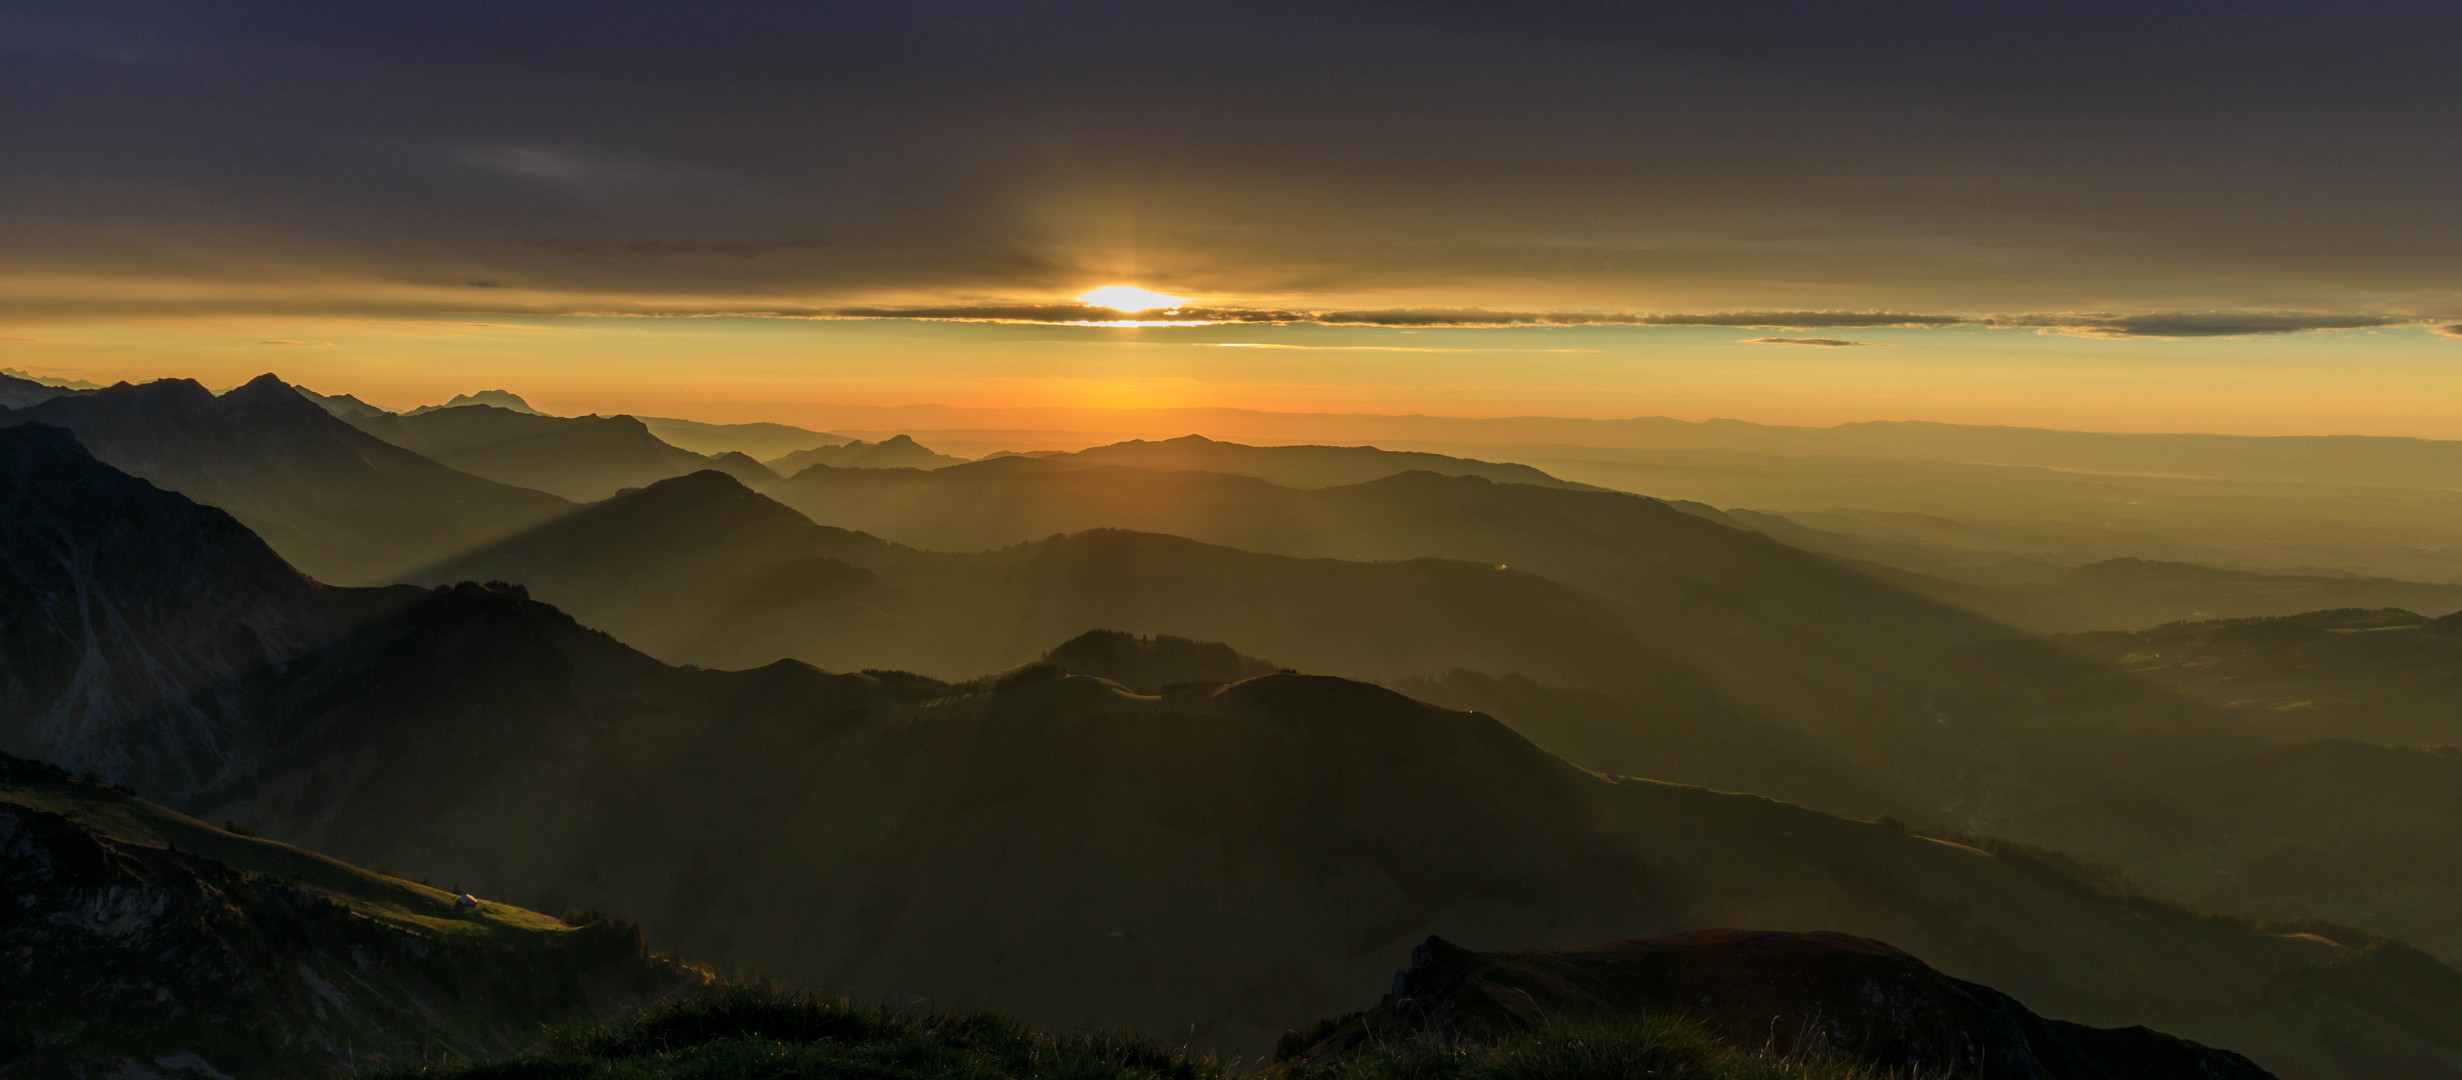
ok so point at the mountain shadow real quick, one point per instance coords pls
(340, 504)
(142, 942)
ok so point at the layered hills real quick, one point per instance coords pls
(145, 943)
(338, 503)
(1296, 466)
(1239, 856)
(894, 452)
(700, 570)
(577, 457)
(17, 393)
(762, 441)
(1952, 711)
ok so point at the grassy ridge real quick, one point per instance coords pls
(754, 1032)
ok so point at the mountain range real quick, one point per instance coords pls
(583, 458)
(1242, 856)
(894, 452)
(339, 503)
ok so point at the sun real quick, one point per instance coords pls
(1129, 298)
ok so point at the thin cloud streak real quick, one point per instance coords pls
(1466, 318)
(2200, 324)
(1824, 342)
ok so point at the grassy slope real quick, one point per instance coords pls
(743, 1032)
(141, 935)
(124, 818)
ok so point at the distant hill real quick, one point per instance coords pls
(760, 441)
(2113, 594)
(53, 381)
(18, 391)
(143, 942)
(1809, 996)
(338, 503)
(895, 452)
(678, 567)
(1149, 664)
(2378, 675)
(584, 458)
(498, 399)
(1298, 466)
(345, 406)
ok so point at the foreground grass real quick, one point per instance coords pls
(1623, 1048)
(748, 1033)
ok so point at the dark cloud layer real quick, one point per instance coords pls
(2192, 324)
(1525, 158)
(1456, 317)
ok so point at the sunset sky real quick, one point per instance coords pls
(2086, 215)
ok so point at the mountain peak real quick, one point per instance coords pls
(692, 486)
(268, 394)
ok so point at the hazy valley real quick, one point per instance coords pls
(1191, 738)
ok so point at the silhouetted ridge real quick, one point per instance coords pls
(1308, 466)
(894, 452)
(17, 393)
(1151, 663)
(1822, 994)
(336, 501)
